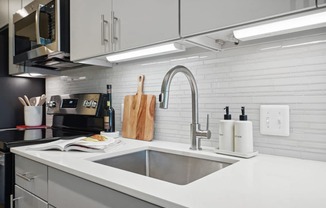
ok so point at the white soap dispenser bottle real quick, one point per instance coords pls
(226, 132)
(243, 138)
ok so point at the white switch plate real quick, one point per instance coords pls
(275, 120)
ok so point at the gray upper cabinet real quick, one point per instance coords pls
(321, 3)
(144, 22)
(3, 13)
(116, 25)
(89, 29)
(209, 15)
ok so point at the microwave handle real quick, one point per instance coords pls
(37, 25)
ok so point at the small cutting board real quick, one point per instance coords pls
(138, 114)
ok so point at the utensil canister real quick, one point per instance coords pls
(33, 115)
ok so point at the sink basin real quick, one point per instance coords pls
(170, 167)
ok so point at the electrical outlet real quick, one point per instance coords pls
(275, 120)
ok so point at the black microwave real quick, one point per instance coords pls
(42, 34)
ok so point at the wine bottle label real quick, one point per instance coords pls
(107, 126)
(106, 122)
(108, 103)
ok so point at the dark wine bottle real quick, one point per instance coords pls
(109, 113)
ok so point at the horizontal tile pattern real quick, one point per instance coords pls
(247, 76)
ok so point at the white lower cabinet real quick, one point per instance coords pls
(24, 199)
(66, 190)
(32, 176)
(38, 186)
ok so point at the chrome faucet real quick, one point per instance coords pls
(195, 132)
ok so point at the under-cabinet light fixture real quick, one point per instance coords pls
(36, 72)
(299, 23)
(30, 75)
(146, 52)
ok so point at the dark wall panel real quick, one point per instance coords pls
(11, 110)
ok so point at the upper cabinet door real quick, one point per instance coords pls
(89, 28)
(208, 15)
(26, 2)
(3, 13)
(144, 22)
(321, 3)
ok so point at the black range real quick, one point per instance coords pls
(73, 115)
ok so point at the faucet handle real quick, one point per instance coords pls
(203, 134)
(207, 122)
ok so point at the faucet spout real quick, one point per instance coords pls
(164, 100)
(165, 89)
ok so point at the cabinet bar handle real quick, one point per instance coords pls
(25, 177)
(12, 200)
(103, 22)
(114, 22)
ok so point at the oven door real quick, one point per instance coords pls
(36, 30)
(6, 179)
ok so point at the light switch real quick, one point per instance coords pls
(275, 120)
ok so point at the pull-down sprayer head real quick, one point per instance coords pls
(165, 89)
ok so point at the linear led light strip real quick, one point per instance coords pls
(281, 27)
(30, 75)
(293, 45)
(146, 52)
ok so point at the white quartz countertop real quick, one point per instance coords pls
(260, 182)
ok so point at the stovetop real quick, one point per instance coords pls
(73, 115)
(18, 137)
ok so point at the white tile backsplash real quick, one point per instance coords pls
(247, 76)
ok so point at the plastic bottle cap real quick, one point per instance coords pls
(243, 117)
(227, 117)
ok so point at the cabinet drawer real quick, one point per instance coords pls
(66, 190)
(24, 199)
(31, 176)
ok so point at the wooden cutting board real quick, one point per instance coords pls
(138, 114)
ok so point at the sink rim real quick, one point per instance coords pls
(187, 153)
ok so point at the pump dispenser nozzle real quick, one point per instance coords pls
(227, 116)
(243, 116)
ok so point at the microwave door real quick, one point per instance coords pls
(25, 36)
(35, 32)
(46, 25)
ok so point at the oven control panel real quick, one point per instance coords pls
(77, 104)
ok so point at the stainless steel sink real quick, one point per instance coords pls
(174, 168)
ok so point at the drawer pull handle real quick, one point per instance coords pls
(12, 200)
(25, 176)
